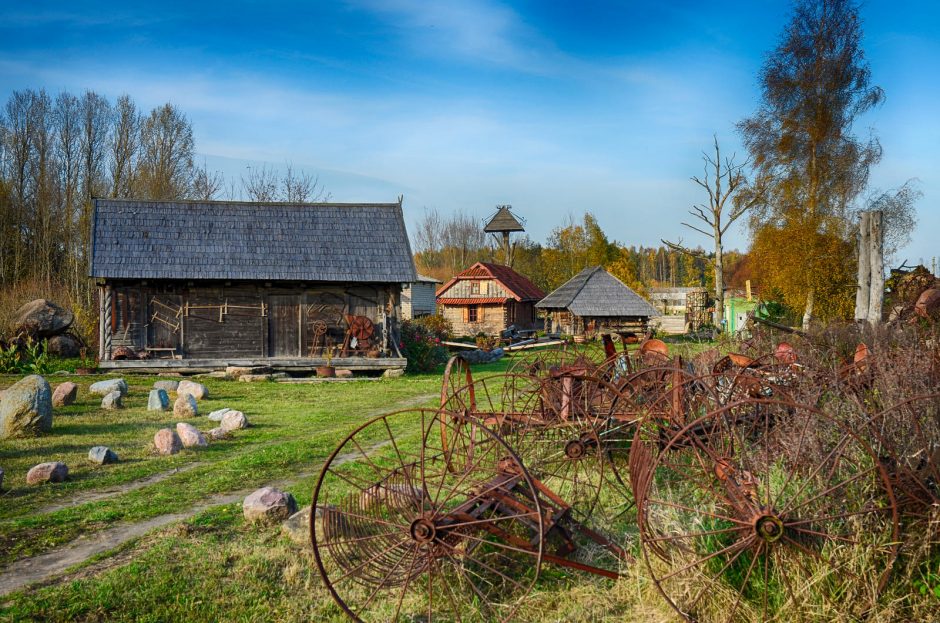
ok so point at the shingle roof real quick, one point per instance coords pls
(503, 220)
(238, 240)
(426, 279)
(520, 287)
(595, 292)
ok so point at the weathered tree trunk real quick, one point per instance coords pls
(808, 313)
(876, 298)
(864, 268)
(719, 283)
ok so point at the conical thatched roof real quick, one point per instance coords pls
(595, 292)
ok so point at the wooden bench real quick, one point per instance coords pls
(164, 349)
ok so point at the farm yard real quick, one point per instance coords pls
(114, 541)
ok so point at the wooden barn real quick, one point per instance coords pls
(207, 284)
(418, 298)
(488, 298)
(593, 302)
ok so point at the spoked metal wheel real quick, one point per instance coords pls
(765, 510)
(401, 537)
(541, 363)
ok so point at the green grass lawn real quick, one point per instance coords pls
(211, 565)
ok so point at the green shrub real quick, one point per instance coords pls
(421, 346)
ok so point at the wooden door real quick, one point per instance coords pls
(165, 317)
(284, 325)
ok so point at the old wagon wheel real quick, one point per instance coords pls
(402, 537)
(539, 363)
(770, 510)
(906, 437)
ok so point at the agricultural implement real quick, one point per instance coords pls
(738, 499)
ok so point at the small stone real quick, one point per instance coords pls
(196, 390)
(47, 472)
(103, 388)
(158, 400)
(393, 373)
(344, 374)
(102, 455)
(167, 441)
(112, 401)
(65, 394)
(217, 434)
(238, 371)
(167, 386)
(26, 409)
(297, 527)
(185, 406)
(233, 420)
(268, 505)
(190, 436)
(216, 416)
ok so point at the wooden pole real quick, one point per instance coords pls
(864, 267)
(876, 298)
(109, 310)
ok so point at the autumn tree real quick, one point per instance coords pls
(722, 180)
(810, 165)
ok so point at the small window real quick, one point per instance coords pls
(472, 313)
(474, 287)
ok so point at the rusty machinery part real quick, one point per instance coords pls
(554, 424)
(457, 374)
(538, 363)
(765, 507)
(493, 401)
(906, 438)
(772, 375)
(401, 536)
(360, 327)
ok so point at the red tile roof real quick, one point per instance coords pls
(519, 286)
(472, 301)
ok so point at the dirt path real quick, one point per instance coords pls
(44, 567)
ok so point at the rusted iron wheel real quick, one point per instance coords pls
(765, 510)
(400, 536)
(570, 356)
(906, 437)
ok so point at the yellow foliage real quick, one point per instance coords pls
(799, 256)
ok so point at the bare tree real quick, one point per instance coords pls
(301, 187)
(165, 169)
(124, 147)
(261, 184)
(723, 181)
(206, 185)
(899, 215)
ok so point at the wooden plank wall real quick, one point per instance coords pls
(209, 322)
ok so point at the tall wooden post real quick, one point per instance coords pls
(102, 323)
(109, 316)
(864, 268)
(876, 297)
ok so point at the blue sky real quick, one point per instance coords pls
(555, 108)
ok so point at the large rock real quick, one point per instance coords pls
(47, 472)
(112, 401)
(166, 441)
(65, 394)
(196, 390)
(26, 409)
(42, 318)
(167, 386)
(268, 505)
(63, 346)
(233, 420)
(102, 455)
(185, 406)
(297, 527)
(103, 388)
(190, 436)
(158, 400)
(216, 416)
